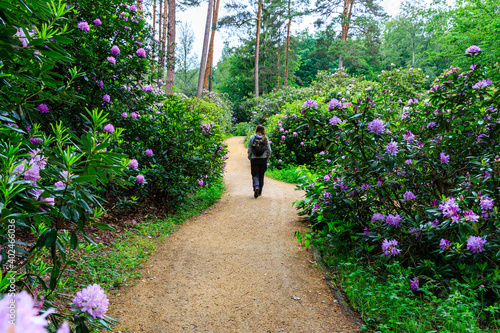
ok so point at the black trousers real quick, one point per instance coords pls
(258, 167)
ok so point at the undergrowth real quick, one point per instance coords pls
(287, 174)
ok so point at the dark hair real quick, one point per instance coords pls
(260, 130)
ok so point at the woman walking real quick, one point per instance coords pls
(259, 150)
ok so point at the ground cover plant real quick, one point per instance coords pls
(396, 175)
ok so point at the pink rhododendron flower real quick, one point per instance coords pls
(111, 60)
(92, 300)
(83, 26)
(133, 163)
(124, 114)
(115, 50)
(106, 98)
(140, 179)
(109, 128)
(148, 152)
(141, 52)
(97, 22)
(475, 244)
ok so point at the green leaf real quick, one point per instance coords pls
(73, 240)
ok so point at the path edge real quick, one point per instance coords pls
(352, 315)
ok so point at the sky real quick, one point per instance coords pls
(197, 18)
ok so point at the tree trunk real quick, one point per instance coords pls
(287, 44)
(162, 41)
(257, 39)
(210, 79)
(211, 47)
(203, 64)
(346, 21)
(170, 48)
(159, 33)
(154, 35)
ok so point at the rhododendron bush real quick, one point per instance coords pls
(413, 179)
(83, 116)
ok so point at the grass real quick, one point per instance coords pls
(119, 264)
(287, 174)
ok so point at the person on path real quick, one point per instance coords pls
(259, 150)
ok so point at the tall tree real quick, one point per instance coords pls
(208, 69)
(346, 13)
(257, 39)
(171, 48)
(185, 59)
(199, 92)
(163, 41)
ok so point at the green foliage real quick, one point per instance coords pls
(288, 174)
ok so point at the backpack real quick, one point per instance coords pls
(259, 146)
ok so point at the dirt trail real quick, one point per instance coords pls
(238, 268)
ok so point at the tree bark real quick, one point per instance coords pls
(159, 34)
(154, 35)
(170, 48)
(203, 64)
(287, 44)
(211, 47)
(162, 41)
(278, 83)
(346, 21)
(257, 39)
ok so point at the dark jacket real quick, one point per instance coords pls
(267, 152)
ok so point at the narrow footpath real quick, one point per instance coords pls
(237, 268)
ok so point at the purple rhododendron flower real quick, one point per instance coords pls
(124, 114)
(149, 152)
(36, 141)
(414, 284)
(378, 217)
(376, 126)
(310, 103)
(469, 215)
(412, 101)
(106, 98)
(365, 186)
(200, 182)
(473, 50)
(134, 115)
(133, 163)
(431, 124)
(393, 220)
(43, 108)
(389, 247)
(132, 8)
(147, 88)
(391, 148)
(59, 184)
(111, 60)
(482, 84)
(334, 103)
(92, 300)
(335, 120)
(444, 159)
(366, 232)
(97, 22)
(109, 128)
(475, 244)
(409, 136)
(449, 207)
(408, 162)
(83, 26)
(115, 50)
(100, 83)
(486, 203)
(409, 196)
(140, 179)
(141, 52)
(444, 244)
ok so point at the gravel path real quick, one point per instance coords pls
(237, 268)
